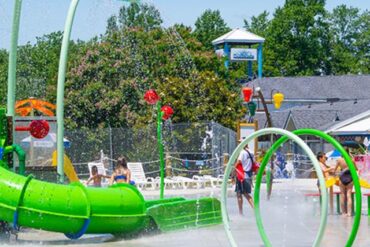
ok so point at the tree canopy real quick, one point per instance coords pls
(209, 26)
(108, 75)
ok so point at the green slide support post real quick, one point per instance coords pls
(347, 158)
(21, 156)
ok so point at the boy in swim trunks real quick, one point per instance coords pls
(96, 177)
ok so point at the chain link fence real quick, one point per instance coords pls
(190, 149)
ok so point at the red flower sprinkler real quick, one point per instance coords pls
(151, 97)
(167, 112)
(37, 128)
(163, 113)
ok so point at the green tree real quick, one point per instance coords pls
(259, 24)
(362, 43)
(209, 26)
(106, 84)
(37, 66)
(297, 38)
(3, 75)
(345, 25)
(344, 28)
(206, 98)
(136, 15)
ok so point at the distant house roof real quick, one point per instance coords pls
(238, 36)
(317, 116)
(316, 87)
(278, 119)
(358, 123)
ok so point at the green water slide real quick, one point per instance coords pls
(76, 210)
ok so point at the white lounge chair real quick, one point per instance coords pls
(213, 181)
(187, 183)
(200, 181)
(138, 175)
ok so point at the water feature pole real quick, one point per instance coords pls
(160, 147)
(165, 112)
(60, 90)
(12, 67)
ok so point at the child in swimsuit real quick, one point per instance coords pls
(96, 177)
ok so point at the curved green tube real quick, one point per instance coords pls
(12, 67)
(60, 87)
(119, 210)
(349, 162)
(63, 208)
(229, 166)
(268, 180)
(21, 156)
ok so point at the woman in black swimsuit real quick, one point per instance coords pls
(345, 185)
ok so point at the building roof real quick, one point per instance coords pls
(317, 116)
(324, 116)
(316, 87)
(239, 36)
(361, 127)
(278, 119)
(359, 124)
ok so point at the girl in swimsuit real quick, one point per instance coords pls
(345, 185)
(121, 174)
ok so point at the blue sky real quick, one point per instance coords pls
(44, 16)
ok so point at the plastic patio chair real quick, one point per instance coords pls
(138, 175)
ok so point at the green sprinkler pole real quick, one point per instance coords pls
(60, 90)
(160, 147)
(12, 66)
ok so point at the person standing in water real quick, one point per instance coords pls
(96, 178)
(345, 185)
(121, 173)
(326, 170)
(244, 187)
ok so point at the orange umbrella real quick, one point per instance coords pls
(24, 107)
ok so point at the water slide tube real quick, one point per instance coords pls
(75, 210)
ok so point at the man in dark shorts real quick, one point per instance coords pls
(244, 187)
